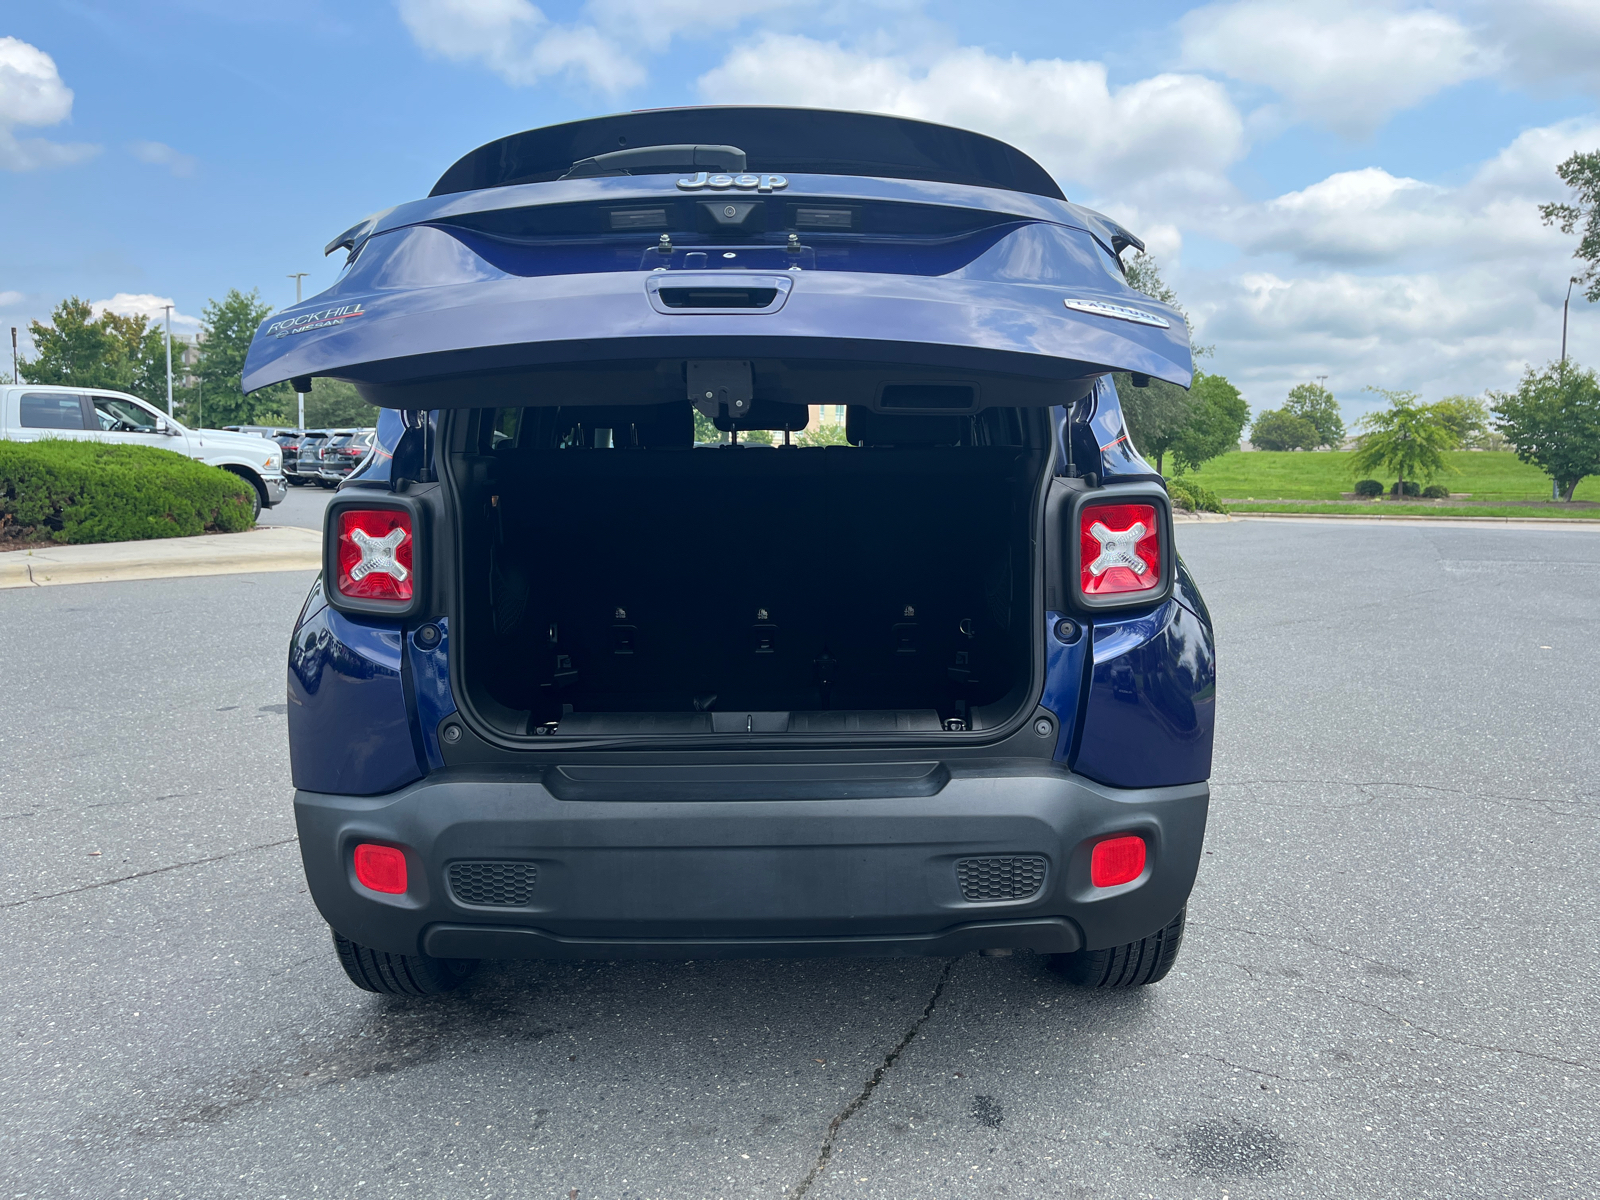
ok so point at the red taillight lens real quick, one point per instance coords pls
(1119, 549)
(375, 554)
(1117, 860)
(381, 868)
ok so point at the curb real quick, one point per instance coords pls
(265, 548)
(1416, 519)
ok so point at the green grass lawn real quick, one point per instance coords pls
(1312, 475)
(1415, 509)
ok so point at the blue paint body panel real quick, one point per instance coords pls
(349, 726)
(1063, 681)
(430, 676)
(425, 297)
(1150, 711)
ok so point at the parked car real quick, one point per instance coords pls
(566, 689)
(319, 468)
(308, 457)
(31, 411)
(343, 453)
(289, 443)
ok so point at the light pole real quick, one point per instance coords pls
(168, 307)
(14, 354)
(300, 422)
(1566, 304)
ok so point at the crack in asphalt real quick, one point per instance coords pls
(1580, 1064)
(871, 1085)
(1360, 784)
(1258, 1071)
(198, 862)
(1342, 951)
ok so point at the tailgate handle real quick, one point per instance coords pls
(715, 292)
(745, 297)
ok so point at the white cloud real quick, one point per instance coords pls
(1548, 41)
(32, 94)
(1347, 67)
(1370, 217)
(654, 23)
(162, 155)
(144, 304)
(1167, 134)
(605, 46)
(1437, 333)
(1397, 282)
(7, 299)
(518, 42)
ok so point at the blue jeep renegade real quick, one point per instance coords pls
(753, 561)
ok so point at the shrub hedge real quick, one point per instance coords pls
(58, 490)
(1436, 491)
(1191, 497)
(1369, 487)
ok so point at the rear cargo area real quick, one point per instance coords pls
(622, 581)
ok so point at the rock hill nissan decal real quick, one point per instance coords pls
(306, 322)
(759, 183)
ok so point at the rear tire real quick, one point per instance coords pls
(400, 974)
(1146, 961)
(258, 495)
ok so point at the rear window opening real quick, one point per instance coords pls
(622, 581)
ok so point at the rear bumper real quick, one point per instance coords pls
(704, 878)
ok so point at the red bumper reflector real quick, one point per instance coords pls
(1119, 549)
(381, 868)
(1117, 860)
(375, 554)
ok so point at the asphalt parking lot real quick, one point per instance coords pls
(302, 506)
(1385, 990)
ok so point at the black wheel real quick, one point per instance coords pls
(1146, 961)
(295, 481)
(400, 974)
(258, 497)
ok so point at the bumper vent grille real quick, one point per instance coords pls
(494, 884)
(1000, 878)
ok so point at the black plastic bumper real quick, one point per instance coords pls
(624, 875)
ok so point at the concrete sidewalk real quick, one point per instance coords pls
(265, 548)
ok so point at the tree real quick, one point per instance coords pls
(1466, 417)
(1144, 275)
(1217, 417)
(1156, 414)
(1408, 438)
(228, 326)
(824, 433)
(1279, 429)
(333, 403)
(78, 349)
(1553, 422)
(1581, 172)
(1315, 403)
(705, 431)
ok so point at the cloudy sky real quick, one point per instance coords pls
(1334, 189)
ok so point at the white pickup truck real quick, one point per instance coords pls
(31, 411)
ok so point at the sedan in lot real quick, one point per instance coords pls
(342, 454)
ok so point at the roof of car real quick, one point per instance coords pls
(774, 139)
